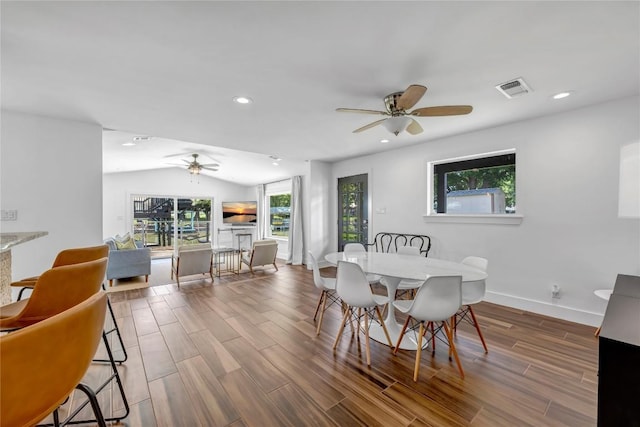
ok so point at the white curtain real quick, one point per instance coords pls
(295, 225)
(262, 215)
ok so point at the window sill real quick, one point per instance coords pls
(509, 219)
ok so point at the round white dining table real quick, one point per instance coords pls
(395, 267)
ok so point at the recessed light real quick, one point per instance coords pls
(561, 95)
(384, 141)
(141, 138)
(129, 144)
(275, 164)
(242, 100)
(275, 158)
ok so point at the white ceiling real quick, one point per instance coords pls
(170, 70)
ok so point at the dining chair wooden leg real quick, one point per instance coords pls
(454, 325)
(475, 323)
(416, 369)
(384, 327)
(342, 325)
(324, 306)
(433, 338)
(402, 332)
(345, 307)
(452, 346)
(318, 305)
(366, 337)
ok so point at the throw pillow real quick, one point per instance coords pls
(124, 238)
(126, 244)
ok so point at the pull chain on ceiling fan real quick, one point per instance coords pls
(399, 118)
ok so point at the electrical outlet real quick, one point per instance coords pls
(9, 215)
(555, 291)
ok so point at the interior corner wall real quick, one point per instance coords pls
(51, 173)
(172, 182)
(567, 190)
(318, 193)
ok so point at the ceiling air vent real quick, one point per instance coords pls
(514, 88)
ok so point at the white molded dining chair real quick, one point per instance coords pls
(436, 301)
(407, 285)
(360, 303)
(359, 247)
(472, 293)
(327, 287)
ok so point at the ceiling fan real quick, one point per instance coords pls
(399, 118)
(194, 167)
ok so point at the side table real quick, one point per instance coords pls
(224, 260)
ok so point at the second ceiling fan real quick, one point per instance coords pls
(399, 118)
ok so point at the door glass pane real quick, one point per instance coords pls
(152, 222)
(353, 221)
(194, 221)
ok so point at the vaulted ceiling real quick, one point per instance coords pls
(170, 70)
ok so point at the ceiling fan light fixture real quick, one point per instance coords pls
(397, 124)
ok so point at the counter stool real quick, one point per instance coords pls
(605, 294)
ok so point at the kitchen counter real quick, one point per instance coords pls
(7, 241)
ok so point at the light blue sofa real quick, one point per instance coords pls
(125, 263)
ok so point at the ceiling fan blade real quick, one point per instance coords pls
(443, 110)
(187, 161)
(369, 126)
(414, 128)
(210, 169)
(210, 165)
(410, 97)
(357, 110)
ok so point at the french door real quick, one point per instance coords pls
(353, 213)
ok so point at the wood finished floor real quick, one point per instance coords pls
(243, 352)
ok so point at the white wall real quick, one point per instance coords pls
(318, 219)
(567, 190)
(119, 187)
(51, 173)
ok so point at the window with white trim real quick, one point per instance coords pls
(278, 203)
(477, 185)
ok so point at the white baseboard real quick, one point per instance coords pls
(557, 311)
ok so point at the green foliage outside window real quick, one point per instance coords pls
(502, 177)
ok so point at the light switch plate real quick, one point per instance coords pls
(9, 215)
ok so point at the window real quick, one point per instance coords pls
(277, 202)
(481, 185)
(279, 214)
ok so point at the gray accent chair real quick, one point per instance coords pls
(263, 253)
(125, 263)
(192, 259)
